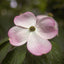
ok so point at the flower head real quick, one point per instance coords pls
(35, 30)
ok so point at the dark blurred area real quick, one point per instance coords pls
(10, 8)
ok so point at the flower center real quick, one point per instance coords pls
(32, 28)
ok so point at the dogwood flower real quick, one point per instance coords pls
(35, 31)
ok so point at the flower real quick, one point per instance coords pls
(35, 31)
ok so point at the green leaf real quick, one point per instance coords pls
(15, 56)
(4, 40)
(60, 38)
(4, 49)
(53, 57)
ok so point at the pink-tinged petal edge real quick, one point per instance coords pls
(18, 36)
(39, 17)
(38, 46)
(47, 28)
(26, 20)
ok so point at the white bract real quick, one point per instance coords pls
(35, 31)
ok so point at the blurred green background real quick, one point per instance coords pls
(10, 8)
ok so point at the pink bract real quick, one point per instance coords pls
(45, 28)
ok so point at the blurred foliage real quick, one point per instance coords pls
(15, 56)
(4, 49)
(12, 55)
(56, 7)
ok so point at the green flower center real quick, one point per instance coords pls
(32, 28)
